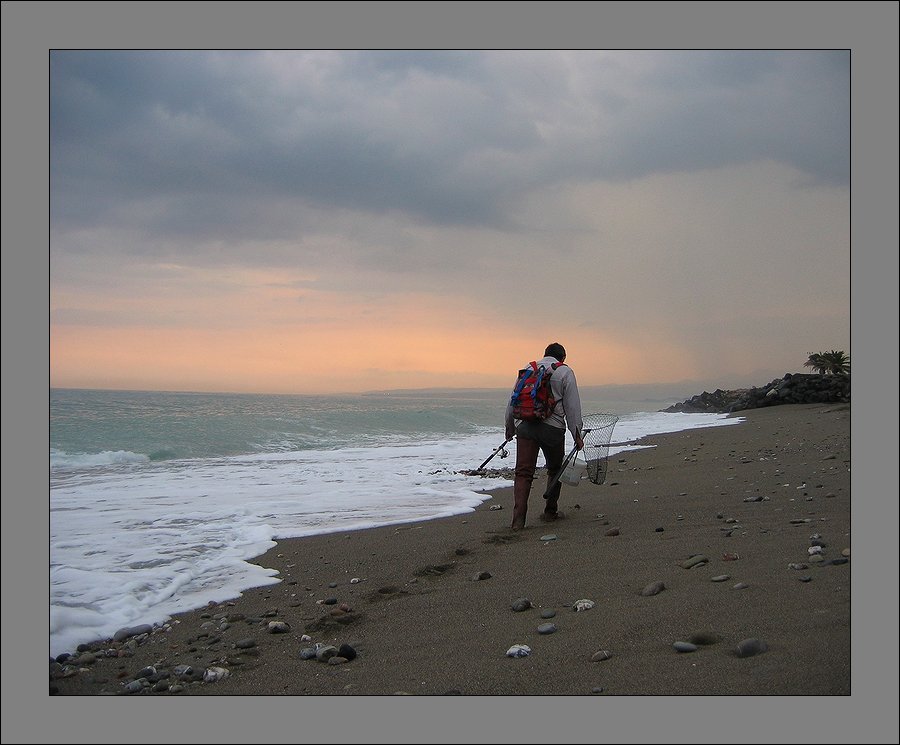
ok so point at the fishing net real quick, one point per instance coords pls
(597, 433)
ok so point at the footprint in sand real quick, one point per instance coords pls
(387, 592)
(433, 570)
(503, 538)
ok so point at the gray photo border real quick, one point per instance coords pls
(31, 29)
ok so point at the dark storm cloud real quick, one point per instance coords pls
(197, 144)
(714, 108)
(193, 129)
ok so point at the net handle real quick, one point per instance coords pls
(559, 473)
(573, 451)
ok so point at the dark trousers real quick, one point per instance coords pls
(533, 438)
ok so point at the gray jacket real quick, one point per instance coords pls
(565, 392)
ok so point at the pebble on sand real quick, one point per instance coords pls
(685, 647)
(518, 650)
(326, 652)
(213, 674)
(126, 633)
(750, 647)
(654, 588)
(694, 561)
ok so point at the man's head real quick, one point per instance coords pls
(556, 350)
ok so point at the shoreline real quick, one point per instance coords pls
(408, 599)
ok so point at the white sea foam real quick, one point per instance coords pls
(60, 459)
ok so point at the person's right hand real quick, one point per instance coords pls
(579, 442)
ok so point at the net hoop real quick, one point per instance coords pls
(598, 429)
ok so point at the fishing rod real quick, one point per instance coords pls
(499, 449)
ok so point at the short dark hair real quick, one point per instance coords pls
(556, 350)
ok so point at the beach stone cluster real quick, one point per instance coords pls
(490, 473)
(151, 679)
(329, 653)
(175, 676)
(793, 388)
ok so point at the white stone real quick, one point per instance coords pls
(518, 650)
(213, 674)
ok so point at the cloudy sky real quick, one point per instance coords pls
(301, 221)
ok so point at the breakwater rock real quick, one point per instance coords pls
(793, 388)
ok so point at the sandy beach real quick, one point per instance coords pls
(699, 543)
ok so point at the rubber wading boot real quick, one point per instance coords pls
(520, 506)
(550, 510)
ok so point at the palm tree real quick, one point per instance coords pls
(829, 363)
(817, 363)
(838, 362)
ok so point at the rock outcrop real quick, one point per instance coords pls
(793, 388)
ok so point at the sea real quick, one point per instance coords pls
(158, 501)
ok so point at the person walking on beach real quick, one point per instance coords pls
(546, 436)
